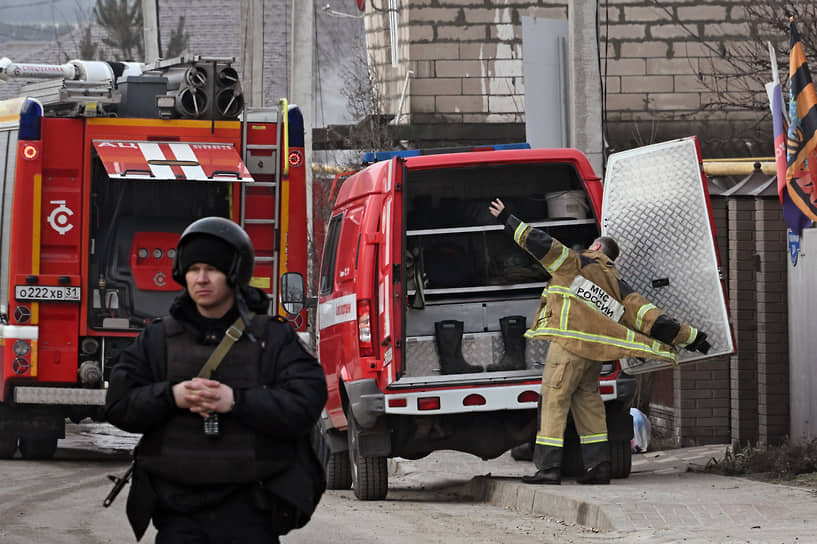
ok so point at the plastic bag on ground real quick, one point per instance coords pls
(641, 431)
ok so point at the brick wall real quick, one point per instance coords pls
(703, 405)
(743, 308)
(772, 322)
(466, 59)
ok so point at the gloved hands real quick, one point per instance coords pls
(700, 343)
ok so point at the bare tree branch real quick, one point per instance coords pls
(735, 73)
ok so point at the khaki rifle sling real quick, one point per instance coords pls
(231, 336)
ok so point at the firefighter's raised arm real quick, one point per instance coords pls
(548, 251)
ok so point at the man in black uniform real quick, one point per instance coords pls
(239, 481)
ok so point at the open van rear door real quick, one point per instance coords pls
(656, 205)
(389, 280)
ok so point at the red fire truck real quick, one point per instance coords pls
(102, 168)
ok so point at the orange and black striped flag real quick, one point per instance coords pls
(801, 142)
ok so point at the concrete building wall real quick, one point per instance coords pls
(466, 59)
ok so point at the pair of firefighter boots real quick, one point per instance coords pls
(598, 475)
(548, 461)
(448, 337)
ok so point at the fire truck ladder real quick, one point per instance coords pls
(260, 217)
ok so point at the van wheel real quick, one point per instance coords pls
(621, 458)
(38, 448)
(339, 471)
(8, 446)
(370, 476)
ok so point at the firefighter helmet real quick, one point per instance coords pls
(229, 249)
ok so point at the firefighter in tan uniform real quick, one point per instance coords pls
(589, 315)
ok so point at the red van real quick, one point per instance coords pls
(423, 300)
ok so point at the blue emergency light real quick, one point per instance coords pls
(376, 156)
(30, 120)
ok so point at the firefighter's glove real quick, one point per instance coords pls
(503, 215)
(700, 343)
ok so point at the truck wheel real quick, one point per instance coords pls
(38, 448)
(621, 458)
(339, 471)
(8, 446)
(370, 476)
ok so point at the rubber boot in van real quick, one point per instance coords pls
(448, 336)
(513, 329)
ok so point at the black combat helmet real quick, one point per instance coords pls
(217, 241)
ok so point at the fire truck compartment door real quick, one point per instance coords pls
(168, 161)
(656, 205)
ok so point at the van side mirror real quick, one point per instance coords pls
(293, 295)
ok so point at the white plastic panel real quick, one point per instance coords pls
(59, 395)
(656, 207)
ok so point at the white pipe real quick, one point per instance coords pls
(393, 22)
(402, 97)
(83, 70)
(9, 69)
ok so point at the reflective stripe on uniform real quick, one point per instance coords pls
(607, 340)
(554, 266)
(550, 441)
(640, 315)
(693, 334)
(517, 234)
(626, 343)
(565, 313)
(593, 438)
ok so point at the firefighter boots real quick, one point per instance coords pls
(551, 476)
(548, 461)
(513, 328)
(448, 337)
(598, 475)
(596, 463)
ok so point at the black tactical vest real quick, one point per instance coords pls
(179, 450)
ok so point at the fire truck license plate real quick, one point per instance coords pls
(46, 292)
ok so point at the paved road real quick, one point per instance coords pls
(446, 497)
(60, 502)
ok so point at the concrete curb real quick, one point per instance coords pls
(537, 500)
